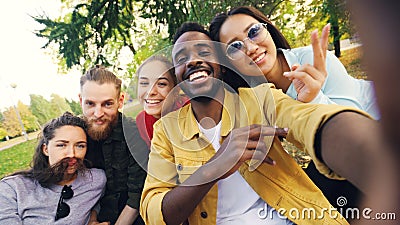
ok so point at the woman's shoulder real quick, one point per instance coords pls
(302, 51)
(18, 181)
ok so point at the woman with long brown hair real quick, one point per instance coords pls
(58, 188)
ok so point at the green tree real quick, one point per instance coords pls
(93, 33)
(11, 122)
(41, 108)
(27, 117)
(3, 133)
(97, 31)
(339, 17)
(175, 12)
(295, 19)
(75, 107)
(59, 105)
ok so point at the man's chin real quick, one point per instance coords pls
(99, 133)
(99, 127)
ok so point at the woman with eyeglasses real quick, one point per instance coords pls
(58, 189)
(251, 38)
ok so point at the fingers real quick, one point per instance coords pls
(309, 79)
(248, 142)
(319, 48)
(281, 132)
(319, 59)
(256, 131)
(325, 38)
(262, 157)
(295, 66)
(269, 161)
(309, 70)
(259, 154)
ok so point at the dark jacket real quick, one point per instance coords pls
(125, 176)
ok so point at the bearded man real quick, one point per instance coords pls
(101, 98)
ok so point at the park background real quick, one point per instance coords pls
(120, 34)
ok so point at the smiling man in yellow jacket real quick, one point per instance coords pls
(218, 160)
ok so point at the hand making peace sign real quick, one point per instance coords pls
(308, 79)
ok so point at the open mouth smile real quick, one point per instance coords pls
(259, 58)
(152, 101)
(198, 76)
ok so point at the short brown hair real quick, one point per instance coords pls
(101, 75)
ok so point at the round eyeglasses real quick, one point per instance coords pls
(62, 207)
(257, 33)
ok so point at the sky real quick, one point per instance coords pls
(23, 62)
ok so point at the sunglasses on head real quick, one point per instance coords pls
(62, 207)
(257, 33)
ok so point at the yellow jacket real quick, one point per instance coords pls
(178, 149)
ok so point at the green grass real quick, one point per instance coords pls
(17, 157)
(351, 59)
(16, 140)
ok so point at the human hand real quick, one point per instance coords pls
(243, 144)
(93, 219)
(309, 79)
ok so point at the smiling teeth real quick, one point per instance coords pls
(259, 58)
(197, 75)
(151, 101)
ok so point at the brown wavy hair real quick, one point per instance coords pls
(40, 169)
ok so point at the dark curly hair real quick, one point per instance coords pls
(187, 27)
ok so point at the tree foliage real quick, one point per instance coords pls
(45, 110)
(28, 119)
(95, 32)
(41, 108)
(83, 35)
(12, 124)
(339, 16)
(75, 107)
(3, 133)
(59, 105)
(175, 12)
